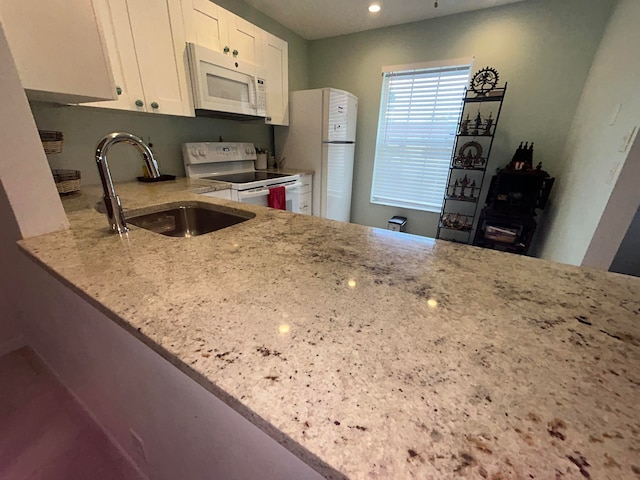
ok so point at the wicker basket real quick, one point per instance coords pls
(67, 181)
(52, 141)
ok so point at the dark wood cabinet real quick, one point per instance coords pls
(507, 222)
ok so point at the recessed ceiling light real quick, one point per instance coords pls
(374, 8)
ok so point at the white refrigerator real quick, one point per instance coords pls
(321, 137)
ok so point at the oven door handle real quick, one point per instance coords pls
(265, 191)
(253, 193)
(293, 186)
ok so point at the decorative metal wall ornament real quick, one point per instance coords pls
(469, 155)
(470, 150)
(484, 81)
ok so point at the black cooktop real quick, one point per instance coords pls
(246, 177)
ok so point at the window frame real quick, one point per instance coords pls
(404, 70)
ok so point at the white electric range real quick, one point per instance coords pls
(233, 163)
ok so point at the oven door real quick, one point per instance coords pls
(260, 196)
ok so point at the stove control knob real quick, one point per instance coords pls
(201, 152)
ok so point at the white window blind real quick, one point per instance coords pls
(419, 114)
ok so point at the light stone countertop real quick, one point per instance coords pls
(376, 354)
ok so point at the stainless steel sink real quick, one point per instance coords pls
(189, 219)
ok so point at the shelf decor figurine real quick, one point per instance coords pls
(473, 187)
(484, 81)
(455, 189)
(457, 221)
(478, 124)
(464, 126)
(522, 158)
(464, 183)
(487, 127)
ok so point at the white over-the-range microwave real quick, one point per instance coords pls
(226, 85)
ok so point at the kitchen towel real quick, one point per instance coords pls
(278, 198)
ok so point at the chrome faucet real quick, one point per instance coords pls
(111, 200)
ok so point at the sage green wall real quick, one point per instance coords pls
(543, 48)
(83, 127)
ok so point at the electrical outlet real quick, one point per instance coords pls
(626, 140)
(612, 173)
(138, 445)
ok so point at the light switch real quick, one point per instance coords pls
(614, 115)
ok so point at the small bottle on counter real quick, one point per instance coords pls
(261, 159)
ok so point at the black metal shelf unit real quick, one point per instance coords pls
(472, 149)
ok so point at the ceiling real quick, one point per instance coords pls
(315, 19)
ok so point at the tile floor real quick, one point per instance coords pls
(44, 434)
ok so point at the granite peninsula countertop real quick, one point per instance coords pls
(376, 354)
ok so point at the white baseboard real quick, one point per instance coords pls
(12, 344)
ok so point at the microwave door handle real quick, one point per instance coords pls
(254, 98)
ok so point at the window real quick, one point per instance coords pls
(419, 113)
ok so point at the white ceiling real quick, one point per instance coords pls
(315, 19)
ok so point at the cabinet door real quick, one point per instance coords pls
(58, 49)
(114, 20)
(206, 24)
(276, 64)
(160, 46)
(244, 40)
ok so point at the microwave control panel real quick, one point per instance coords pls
(261, 100)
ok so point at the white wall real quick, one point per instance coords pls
(627, 259)
(618, 214)
(10, 333)
(24, 172)
(592, 155)
(187, 432)
(29, 202)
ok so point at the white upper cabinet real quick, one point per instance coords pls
(146, 44)
(118, 36)
(206, 24)
(276, 58)
(58, 49)
(244, 40)
(213, 27)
